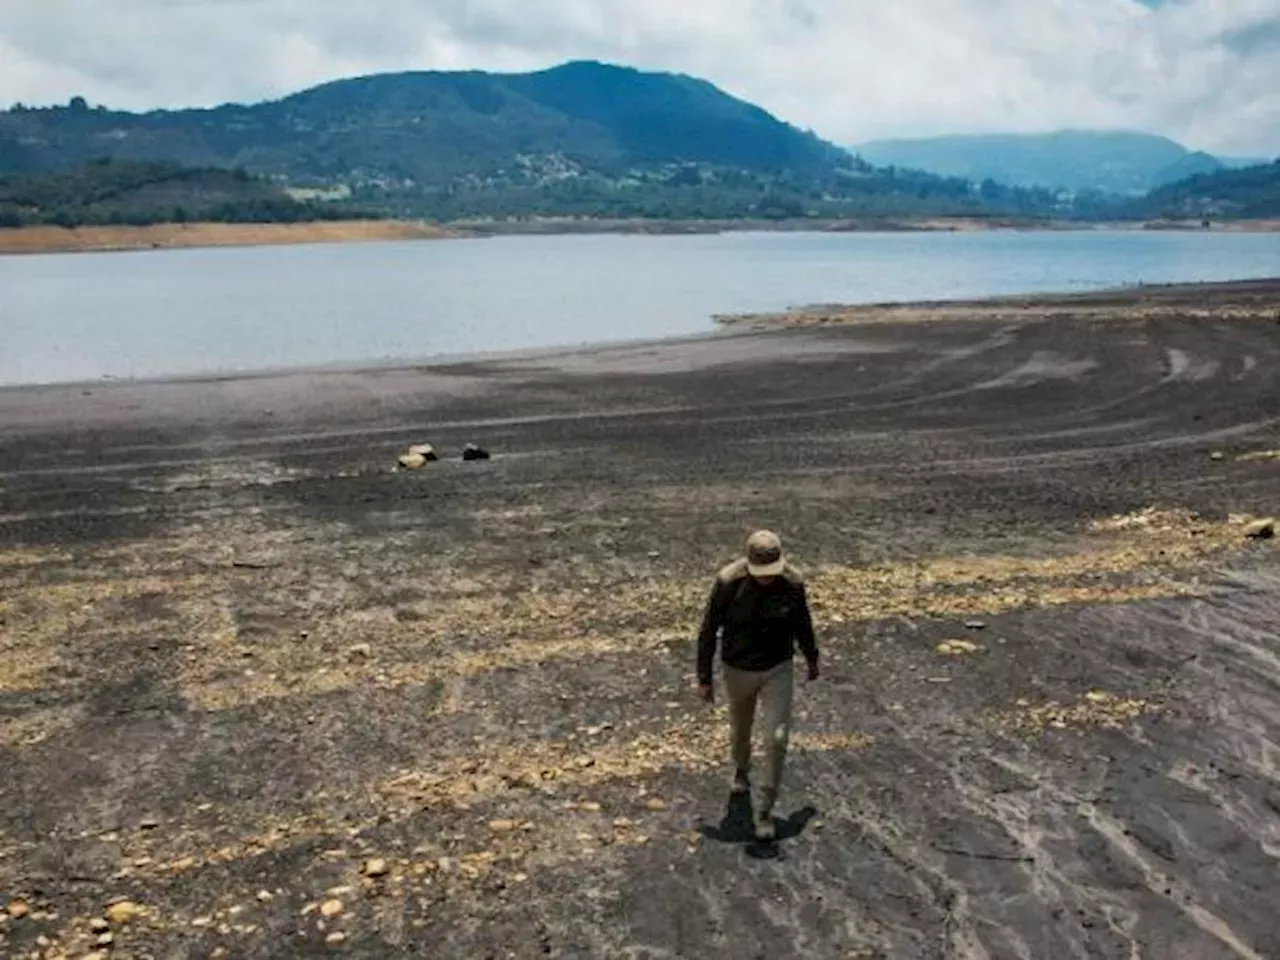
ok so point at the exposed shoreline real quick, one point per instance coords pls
(249, 668)
(1257, 299)
(165, 236)
(169, 236)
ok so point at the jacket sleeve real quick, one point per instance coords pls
(804, 628)
(712, 620)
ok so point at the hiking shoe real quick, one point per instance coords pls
(741, 782)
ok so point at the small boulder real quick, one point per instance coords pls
(331, 908)
(18, 909)
(99, 925)
(956, 648)
(361, 651)
(424, 450)
(412, 461)
(376, 867)
(123, 912)
(1261, 529)
(472, 452)
(1217, 455)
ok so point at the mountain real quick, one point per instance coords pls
(431, 127)
(581, 139)
(1077, 160)
(144, 192)
(1251, 192)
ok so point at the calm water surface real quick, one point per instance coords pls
(84, 316)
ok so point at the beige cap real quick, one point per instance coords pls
(764, 554)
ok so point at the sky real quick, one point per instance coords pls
(1206, 72)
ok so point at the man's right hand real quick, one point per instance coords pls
(707, 692)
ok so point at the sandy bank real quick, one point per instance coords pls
(173, 235)
(1232, 300)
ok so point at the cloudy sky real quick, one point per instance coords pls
(1204, 71)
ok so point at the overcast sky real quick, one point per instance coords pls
(1206, 72)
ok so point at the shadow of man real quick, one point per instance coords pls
(738, 826)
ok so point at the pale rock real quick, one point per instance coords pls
(123, 912)
(1263, 529)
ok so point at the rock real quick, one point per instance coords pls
(956, 648)
(1217, 455)
(376, 867)
(472, 452)
(361, 651)
(99, 925)
(18, 909)
(504, 826)
(123, 912)
(412, 461)
(654, 804)
(265, 896)
(150, 823)
(1261, 529)
(336, 938)
(975, 625)
(424, 450)
(331, 908)
(105, 939)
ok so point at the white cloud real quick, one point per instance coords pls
(1204, 71)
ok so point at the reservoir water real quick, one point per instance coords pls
(68, 317)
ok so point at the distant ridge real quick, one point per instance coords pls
(1122, 162)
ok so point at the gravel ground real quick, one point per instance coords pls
(271, 697)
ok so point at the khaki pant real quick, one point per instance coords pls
(772, 690)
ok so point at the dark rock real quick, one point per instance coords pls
(472, 452)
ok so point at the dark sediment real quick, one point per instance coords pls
(240, 654)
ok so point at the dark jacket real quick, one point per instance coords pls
(757, 626)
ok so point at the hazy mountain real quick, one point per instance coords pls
(1078, 160)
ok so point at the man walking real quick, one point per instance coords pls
(758, 612)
